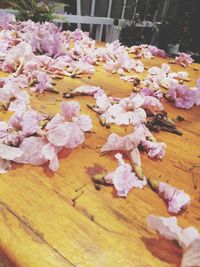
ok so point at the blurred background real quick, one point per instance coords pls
(169, 24)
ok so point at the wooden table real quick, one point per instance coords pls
(40, 227)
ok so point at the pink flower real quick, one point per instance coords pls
(152, 105)
(126, 111)
(30, 122)
(177, 199)
(129, 143)
(125, 143)
(102, 101)
(84, 122)
(169, 228)
(154, 149)
(44, 82)
(70, 109)
(55, 121)
(21, 102)
(86, 90)
(8, 91)
(6, 20)
(17, 57)
(49, 152)
(4, 165)
(9, 152)
(67, 134)
(183, 59)
(156, 51)
(150, 92)
(188, 238)
(123, 178)
(32, 151)
(182, 96)
(78, 35)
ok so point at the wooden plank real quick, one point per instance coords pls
(39, 226)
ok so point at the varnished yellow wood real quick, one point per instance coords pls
(39, 227)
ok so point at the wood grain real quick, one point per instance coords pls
(40, 227)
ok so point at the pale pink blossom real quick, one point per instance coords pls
(123, 178)
(17, 57)
(188, 238)
(156, 51)
(5, 166)
(165, 68)
(182, 95)
(8, 91)
(32, 151)
(30, 122)
(21, 102)
(154, 149)
(9, 152)
(126, 111)
(43, 81)
(67, 134)
(177, 199)
(147, 91)
(8, 135)
(70, 109)
(183, 59)
(49, 153)
(84, 122)
(86, 90)
(152, 105)
(6, 20)
(79, 35)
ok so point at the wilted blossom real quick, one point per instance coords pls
(182, 96)
(183, 59)
(177, 199)
(123, 178)
(154, 149)
(188, 238)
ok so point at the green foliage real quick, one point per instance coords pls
(35, 10)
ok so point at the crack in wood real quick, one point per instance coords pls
(34, 233)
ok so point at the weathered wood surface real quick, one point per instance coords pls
(39, 226)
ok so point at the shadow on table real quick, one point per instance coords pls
(63, 154)
(163, 249)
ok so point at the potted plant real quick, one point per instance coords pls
(37, 11)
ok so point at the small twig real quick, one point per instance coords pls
(77, 197)
(81, 187)
(194, 181)
(51, 90)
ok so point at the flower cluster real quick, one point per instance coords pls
(146, 51)
(33, 138)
